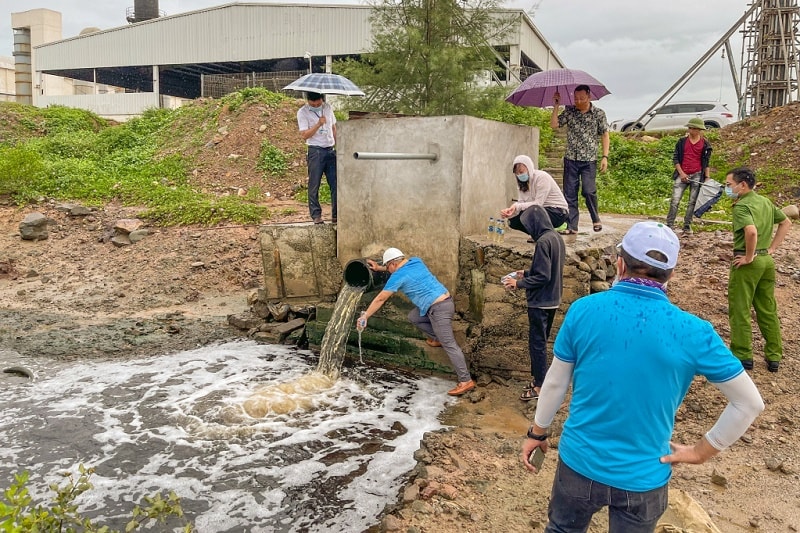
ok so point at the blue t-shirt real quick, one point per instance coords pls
(416, 281)
(635, 355)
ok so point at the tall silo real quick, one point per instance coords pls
(143, 10)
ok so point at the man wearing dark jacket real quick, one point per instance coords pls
(691, 157)
(543, 286)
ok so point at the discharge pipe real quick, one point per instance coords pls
(394, 155)
(358, 274)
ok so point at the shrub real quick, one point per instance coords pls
(18, 513)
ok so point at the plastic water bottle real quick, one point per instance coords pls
(361, 324)
(490, 231)
(501, 230)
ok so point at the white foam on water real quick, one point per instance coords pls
(176, 422)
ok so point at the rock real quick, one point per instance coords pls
(34, 227)
(79, 211)
(262, 128)
(280, 312)
(773, 463)
(421, 507)
(410, 493)
(431, 490)
(120, 241)
(261, 310)
(792, 212)
(391, 523)
(500, 381)
(599, 286)
(483, 380)
(288, 327)
(137, 235)
(245, 321)
(448, 492)
(127, 225)
(719, 479)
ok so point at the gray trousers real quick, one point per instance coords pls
(438, 324)
(678, 187)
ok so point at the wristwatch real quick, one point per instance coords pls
(534, 436)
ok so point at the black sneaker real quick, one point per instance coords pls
(747, 364)
(772, 366)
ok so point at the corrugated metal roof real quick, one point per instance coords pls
(241, 32)
(233, 32)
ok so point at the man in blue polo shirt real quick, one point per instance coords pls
(631, 356)
(434, 309)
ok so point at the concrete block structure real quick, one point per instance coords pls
(421, 206)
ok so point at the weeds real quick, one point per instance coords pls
(271, 159)
(18, 513)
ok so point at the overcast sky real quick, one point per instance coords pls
(638, 49)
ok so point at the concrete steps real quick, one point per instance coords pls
(554, 165)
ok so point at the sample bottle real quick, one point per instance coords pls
(500, 229)
(490, 230)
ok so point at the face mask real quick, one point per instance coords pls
(523, 177)
(729, 192)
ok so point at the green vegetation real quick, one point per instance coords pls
(70, 154)
(19, 514)
(271, 159)
(639, 178)
(427, 55)
(503, 111)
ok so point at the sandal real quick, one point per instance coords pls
(568, 232)
(597, 227)
(528, 395)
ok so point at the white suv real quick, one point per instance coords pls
(675, 115)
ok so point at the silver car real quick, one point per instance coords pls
(675, 115)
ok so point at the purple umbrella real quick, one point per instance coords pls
(538, 89)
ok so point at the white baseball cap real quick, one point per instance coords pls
(644, 237)
(391, 254)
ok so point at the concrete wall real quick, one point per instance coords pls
(116, 106)
(7, 89)
(419, 206)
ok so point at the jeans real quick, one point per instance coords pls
(677, 193)
(540, 322)
(557, 217)
(438, 325)
(321, 161)
(580, 174)
(575, 499)
(754, 285)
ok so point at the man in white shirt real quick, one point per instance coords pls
(318, 128)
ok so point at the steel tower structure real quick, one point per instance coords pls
(770, 56)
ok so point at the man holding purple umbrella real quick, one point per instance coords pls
(585, 125)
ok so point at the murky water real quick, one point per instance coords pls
(331, 353)
(178, 423)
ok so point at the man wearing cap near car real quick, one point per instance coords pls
(434, 309)
(691, 157)
(631, 356)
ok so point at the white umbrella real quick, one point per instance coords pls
(325, 83)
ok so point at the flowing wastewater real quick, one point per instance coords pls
(325, 454)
